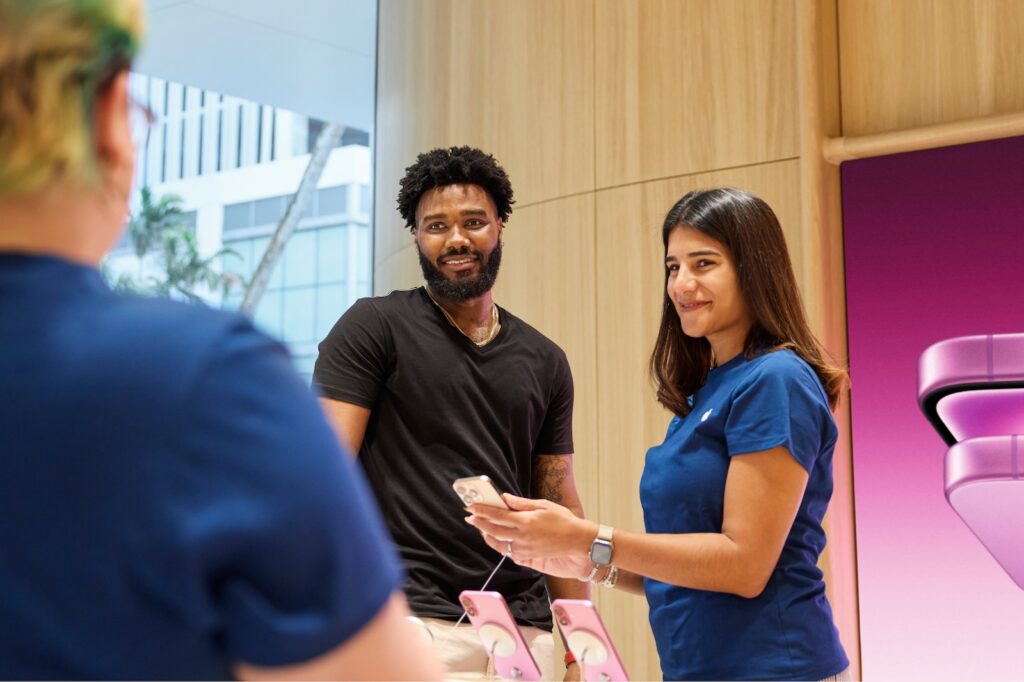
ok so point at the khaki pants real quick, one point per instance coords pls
(464, 656)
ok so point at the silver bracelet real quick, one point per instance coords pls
(593, 574)
(612, 577)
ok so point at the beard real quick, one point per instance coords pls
(464, 288)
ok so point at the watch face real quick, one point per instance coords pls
(601, 552)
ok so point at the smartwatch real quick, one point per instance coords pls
(601, 548)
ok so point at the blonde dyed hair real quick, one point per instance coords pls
(55, 56)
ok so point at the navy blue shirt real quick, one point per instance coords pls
(173, 500)
(786, 632)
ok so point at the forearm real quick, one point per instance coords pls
(569, 588)
(702, 561)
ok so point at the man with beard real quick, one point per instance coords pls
(438, 383)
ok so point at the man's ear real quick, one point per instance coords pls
(111, 126)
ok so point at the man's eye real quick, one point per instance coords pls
(474, 223)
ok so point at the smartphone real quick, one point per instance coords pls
(973, 386)
(478, 490)
(500, 635)
(985, 486)
(584, 632)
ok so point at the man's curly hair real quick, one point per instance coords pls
(455, 165)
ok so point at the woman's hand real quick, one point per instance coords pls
(541, 535)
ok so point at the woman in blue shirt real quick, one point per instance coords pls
(734, 497)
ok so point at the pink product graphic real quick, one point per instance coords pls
(973, 386)
(500, 635)
(583, 630)
(972, 391)
(984, 486)
(982, 412)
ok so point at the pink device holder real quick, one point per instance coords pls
(584, 631)
(500, 635)
(972, 390)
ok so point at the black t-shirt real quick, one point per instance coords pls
(444, 408)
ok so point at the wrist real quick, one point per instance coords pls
(585, 537)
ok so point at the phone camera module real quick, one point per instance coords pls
(470, 609)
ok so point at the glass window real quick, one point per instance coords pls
(365, 198)
(259, 247)
(270, 315)
(236, 164)
(332, 254)
(332, 200)
(268, 211)
(237, 216)
(300, 259)
(332, 301)
(238, 258)
(364, 246)
(299, 314)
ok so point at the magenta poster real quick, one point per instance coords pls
(934, 249)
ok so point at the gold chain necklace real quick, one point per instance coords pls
(495, 325)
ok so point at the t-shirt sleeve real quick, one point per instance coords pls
(780, 404)
(354, 357)
(275, 517)
(556, 434)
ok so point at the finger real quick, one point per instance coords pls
(524, 503)
(492, 513)
(499, 546)
(505, 533)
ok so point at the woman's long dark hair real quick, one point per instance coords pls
(747, 226)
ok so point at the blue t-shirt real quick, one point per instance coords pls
(173, 500)
(786, 632)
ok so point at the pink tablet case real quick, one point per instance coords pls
(580, 615)
(489, 610)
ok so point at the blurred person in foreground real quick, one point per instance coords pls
(175, 505)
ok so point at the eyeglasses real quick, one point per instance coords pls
(142, 120)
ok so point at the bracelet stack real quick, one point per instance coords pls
(593, 574)
(612, 577)
(609, 579)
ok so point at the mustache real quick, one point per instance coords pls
(464, 251)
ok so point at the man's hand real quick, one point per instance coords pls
(573, 673)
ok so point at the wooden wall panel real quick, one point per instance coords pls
(908, 63)
(548, 279)
(513, 77)
(685, 86)
(630, 260)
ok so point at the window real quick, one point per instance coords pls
(233, 163)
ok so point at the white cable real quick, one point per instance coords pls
(464, 614)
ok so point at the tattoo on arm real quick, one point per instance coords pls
(549, 476)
